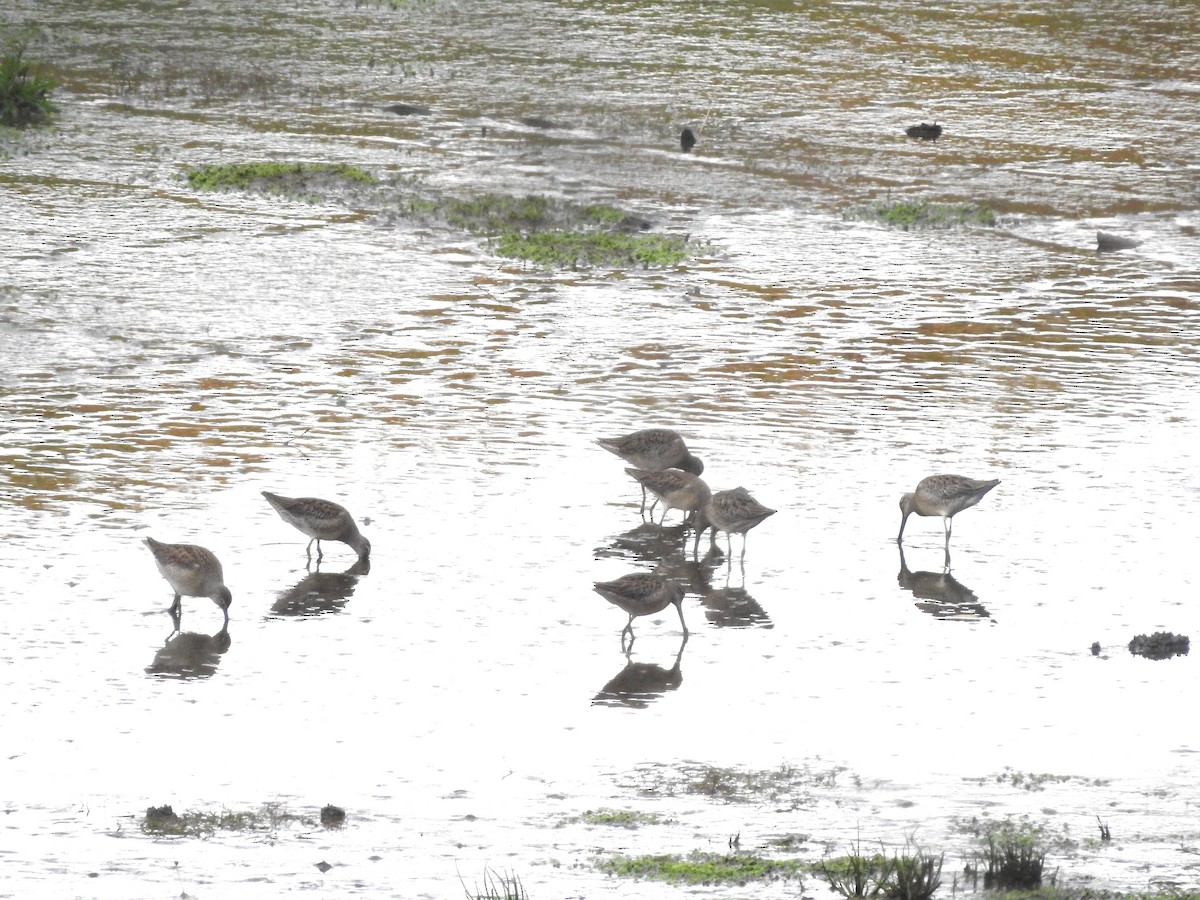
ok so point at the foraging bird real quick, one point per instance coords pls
(321, 520)
(925, 131)
(687, 140)
(676, 488)
(642, 594)
(733, 512)
(651, 450)
(943, 495)
(192, 572)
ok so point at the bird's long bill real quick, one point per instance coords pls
(903, 522)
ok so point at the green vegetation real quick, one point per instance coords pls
(274, 177)
(558, 234)
(704, 868)
(24, 90)
(855, 875)
(789, 787)
(1014, 853)
(1015, 860)
(913, 214)
(1090, 893)
(162, 821)
(572, 249)
(547, 232)
(497, 886)
(911, 875)
(623, 818)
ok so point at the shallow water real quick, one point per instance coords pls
(167, 355)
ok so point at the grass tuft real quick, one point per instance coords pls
(24, 90)
(1014, 856)
(911, 875)
(497, 886)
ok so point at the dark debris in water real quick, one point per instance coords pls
(332, 816)
(1160, 645)
(926, 131)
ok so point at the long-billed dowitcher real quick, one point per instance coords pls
(321, 520)
(192, 572)
(943, 495)
(676, 489)
(653, 449)
(733, 512)
(642, 594)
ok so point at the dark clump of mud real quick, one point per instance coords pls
(1160, 645)
(332, 816)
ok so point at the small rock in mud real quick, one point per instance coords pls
(539, 122)
(158, 815)
(324, 866)
(407, 109)
(332, 816)
(1107, 243)
(687, 140)
(633, 224)
(1160, 645)
(1095, 648)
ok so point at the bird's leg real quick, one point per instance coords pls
(176, 607)
(319, 556)
(643, 509)
(308, 549)
(679, 608)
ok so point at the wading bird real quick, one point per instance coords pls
(192, 572)
(943, 495)
(321, 520)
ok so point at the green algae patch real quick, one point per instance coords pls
(786, 787)
(917, 214)
(559, 234)
(704, 868)
(575, 249)
(620, 818)
(163, 821)
(293, 179)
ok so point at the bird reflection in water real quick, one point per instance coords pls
(941, 594)
(187, 654)
(639, 684)
(733, 607)
(318, 593)
(730, 606)
(647, 543)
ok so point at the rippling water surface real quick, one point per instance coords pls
(166, 354)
